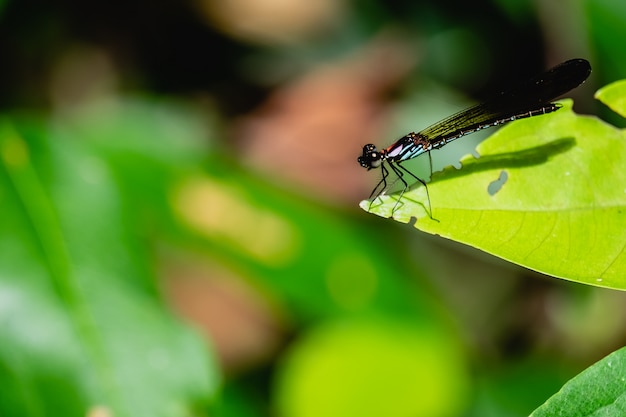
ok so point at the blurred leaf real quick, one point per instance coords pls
(600, 390)
(315, 261)
(150, 146)
(604, 27)
(541, 195)
(614, 96)
(373, 367)
(517, 386)
(322, 265)
(82, 325)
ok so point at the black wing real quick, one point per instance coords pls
(528, 98)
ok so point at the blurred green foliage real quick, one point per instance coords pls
(81, 312)
(124, 165)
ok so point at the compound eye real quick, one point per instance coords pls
(371, 158)
(369, 148)
(365, 162)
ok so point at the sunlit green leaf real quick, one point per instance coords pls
(548, 193)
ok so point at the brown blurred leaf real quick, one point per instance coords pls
(243, 327)
(310, 131)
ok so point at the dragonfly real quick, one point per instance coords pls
(532, 97)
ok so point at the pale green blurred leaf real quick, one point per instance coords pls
(561, 209)
(372, 368)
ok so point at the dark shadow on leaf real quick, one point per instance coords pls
(527, 157)
(496, 185)
(524, 158)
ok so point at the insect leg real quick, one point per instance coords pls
(399, 168)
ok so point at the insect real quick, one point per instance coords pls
(529, 98)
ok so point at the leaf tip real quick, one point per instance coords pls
(614, 96)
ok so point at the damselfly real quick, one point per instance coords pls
(532, 97)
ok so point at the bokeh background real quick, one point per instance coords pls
(181, 232)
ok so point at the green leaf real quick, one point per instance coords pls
(547, 193)
(614, 96)
(373, 367)
(83, 328)
(600, 390)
